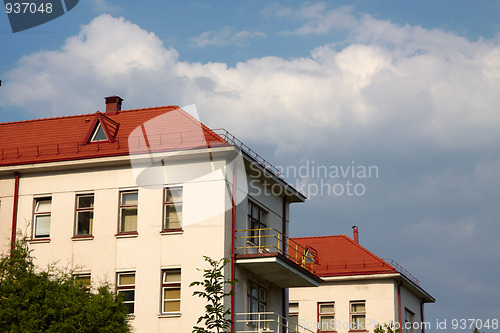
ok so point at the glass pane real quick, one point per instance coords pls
(172, 306)
(254, 290)
(86, 201)
(130, 307)
(357, 307)
(99, 134)
(262, 218)
(255, 212)
(126, 279)
(253, 306)
(293, 324)
(327, 323)
(262, 294)
(293, 307)
(83, 279)
(42, 226)
(327, 308)
(172, 276)
(173, 216)
(172, 293)
(43, 205)
(173, 195)
(84, 225)
(128, 295)
(358, 321)
(129, 198)
(129, 220)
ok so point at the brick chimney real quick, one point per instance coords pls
(355, 234)
(113, 104)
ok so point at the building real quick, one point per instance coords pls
(358, 290)
(138, 197)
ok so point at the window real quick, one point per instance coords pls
(293, 317)
(126, 288)
(358, 315)
(326, 317)
(173, 208)
(257, 218)
(84, 279)
(409, 320)
(84, 214)
(41, 217)
(171, 290)
(128, 212)
(99, 134)
(256, 302)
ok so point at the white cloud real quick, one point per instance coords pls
(399, 86)
(224, 37)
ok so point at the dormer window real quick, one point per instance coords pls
(99, 134)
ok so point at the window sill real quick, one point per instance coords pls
(172, 232)
(169, 315)
(82, 238)
(127, 235)
(130, 316)
(39, 240)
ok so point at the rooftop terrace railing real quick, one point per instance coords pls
(401, 270)
(232, 140)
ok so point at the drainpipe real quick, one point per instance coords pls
(233, 235)
(14, 213)
(422, 314)
(284, 311)
(399, 303)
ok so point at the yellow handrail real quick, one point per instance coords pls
(270, 239)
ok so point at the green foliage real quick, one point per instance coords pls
(386, 329)
(216, 316)
(50, 300)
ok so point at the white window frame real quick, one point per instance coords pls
(79, 210)
(176, 204)
(353, 327)
(123, 207)
(173, 285)
(126, 287)
(325, 314)
(37, 214)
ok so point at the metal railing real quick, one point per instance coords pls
(268, 322)
(270, 240)
(232, 140)
(401, 270)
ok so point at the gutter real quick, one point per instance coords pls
(399, 302)
(284, 312)
(422, 314)
(14, 213)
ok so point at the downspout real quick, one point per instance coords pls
(399, 303)
(14, 213)
(422, 315)
(233, 235)
(284, 311)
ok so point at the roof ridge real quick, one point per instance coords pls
(83, 115)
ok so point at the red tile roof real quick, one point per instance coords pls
(341, 256)
(65, 138)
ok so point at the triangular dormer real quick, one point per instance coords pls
(102, 129)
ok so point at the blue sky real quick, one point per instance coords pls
(410, 87)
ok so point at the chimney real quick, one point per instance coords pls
(113, 104)
(355, 234)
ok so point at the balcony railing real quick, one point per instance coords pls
(268, 322)
(270, 240)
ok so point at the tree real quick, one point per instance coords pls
(51, 300)
(216, 316)
(386, 328)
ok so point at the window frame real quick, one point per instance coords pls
(295, 314)
(172, 286)
(126, 287)
(41, 214)
(412, 320)
(359, 313)
(96, 130)
(83, 277)
(260, 303)
(122, 207)
(253, 222)
(326, 314)
(83, 210)
(170, 204)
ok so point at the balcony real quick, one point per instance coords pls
(276, 258)
(268, 322)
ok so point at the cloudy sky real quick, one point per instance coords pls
(408, 88)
